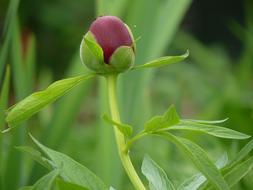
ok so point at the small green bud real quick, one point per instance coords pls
(108, 46)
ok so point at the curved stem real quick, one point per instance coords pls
(120, 139)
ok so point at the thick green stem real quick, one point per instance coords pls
(120, 139)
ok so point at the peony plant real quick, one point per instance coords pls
(108, 49)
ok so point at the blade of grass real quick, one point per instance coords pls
(7, 33)
(13, 177)
(30, 62)
(19, 74)
(12, 11)
(4, 97)
(3, 105)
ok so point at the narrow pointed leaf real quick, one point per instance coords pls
(200, 159)
(194, 182)
(157, 178)
(72, 171)
(46, 182)
(206, 121)
(233, 165)
(36, 101)
(237, 173)
(242, 154)
(169, 118)
(127, 130)
(7, 33)
(4, 96)
(35, 155)
(12, 11)
(162, 61)
(213, 130)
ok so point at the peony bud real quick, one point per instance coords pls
(108, 47)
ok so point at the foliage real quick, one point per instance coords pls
(220, 81)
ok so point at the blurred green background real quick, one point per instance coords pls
(40, 42)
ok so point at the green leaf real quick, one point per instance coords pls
(194, 182)
(36, 155)
(213, 130)
(157, 178)
(159, 122)
(7, 33)
(127, 130)
(200, 159)
(63, 185)
(235, 162)
(237, 173)
(17, 63)
(242, 154)
(206, 121)
(222, 161)
(162, 61)
(72, 171)
(30, 61)
(36, 101)
(4, 96)
(46, 182)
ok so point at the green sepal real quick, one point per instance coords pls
(92, 54)
(122, 59)
(132, 37)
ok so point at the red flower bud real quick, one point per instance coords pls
(110, 33)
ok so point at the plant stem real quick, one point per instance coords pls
(120, 139)
(134, 139)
